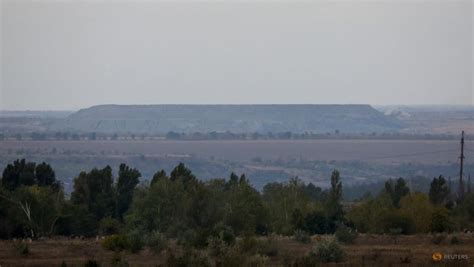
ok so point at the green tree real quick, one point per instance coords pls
(42, 208)
(152, 207)
(440, 220)
(158, 176)
(127, 181)
(94, 190)
(23, 173)
(244, 210)
(317, 223)
(315, 193)
(418, 208)
(464, 213)
(372, 216)
(396, 189)
(45, 175)
(33, 209)
(170, 205)
(439, 191)
(182, 174)
(333, 206)
(19, 173)
(286, 201)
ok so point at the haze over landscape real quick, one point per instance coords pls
(236, 133)
(151, 73)
(76, 54)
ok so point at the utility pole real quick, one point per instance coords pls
(461, 184)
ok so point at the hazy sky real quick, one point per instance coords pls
(75, 54)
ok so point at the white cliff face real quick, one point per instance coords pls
(397, 113)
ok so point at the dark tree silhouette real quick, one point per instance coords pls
(439, 191)
(126, 183)
(396, 190)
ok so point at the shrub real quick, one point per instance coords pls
(222, 239)
(22, 248)
(345, 234)
(135, 238)
(328, 250)
(248, 245)
(200, 238)
(307, 261)
(252, 246)
(157, 242)
(230, 258)
(455, 240)
(119, 261)
(399, 221)
(109, 226)
(116, 243)
(267, 248)
(217, 247)
(302, 237)
(225, 233)
(395, 231)
(438, 239)
(440, 221)
(196, 238)
(317, 223)
(257, 260)
(185, 238)
(189, 258)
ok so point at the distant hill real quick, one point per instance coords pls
(433, 119)
(233, 118)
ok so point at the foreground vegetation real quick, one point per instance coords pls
(221, 221)
(368, 250)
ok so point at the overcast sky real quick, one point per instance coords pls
(65, 55)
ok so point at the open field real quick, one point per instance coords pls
(368, 250)
(263, 161)
(379, 151)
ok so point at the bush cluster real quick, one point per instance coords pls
(117, 243)
(302, 237)
(157, 242)
(328, 250)
(22, 248)
(345, 234)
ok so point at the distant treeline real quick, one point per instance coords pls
(178, 205)
(42, 136)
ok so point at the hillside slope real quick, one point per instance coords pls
(233, 118)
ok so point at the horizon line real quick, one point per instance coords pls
(255, 104)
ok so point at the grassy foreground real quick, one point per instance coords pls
(368, 250)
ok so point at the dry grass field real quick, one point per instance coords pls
(380, 151)
(368, 250)
(262, 160)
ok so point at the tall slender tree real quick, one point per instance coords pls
(439, 191)
(333, 206)
(127, 181)
(397, 189)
